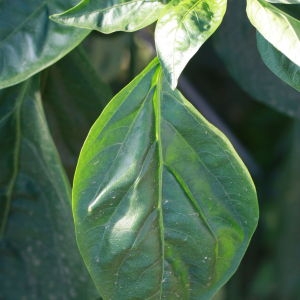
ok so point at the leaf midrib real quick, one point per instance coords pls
(157, 111)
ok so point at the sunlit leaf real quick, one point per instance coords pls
(245, 65)
(109, 16)
(279, 63)
(163, 206)
(181, 31)
(29, 41)
(39, 258)
(284, 1)
(277, 27)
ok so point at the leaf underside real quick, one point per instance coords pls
(163, 206)
(38, 253)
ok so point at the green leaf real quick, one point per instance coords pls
(73, 96)
(287, 194)
(235, 43)
(278, 63)
(181, 31)
(29, 41)
(163, 206)
(39, 258)
(285, 1)
(109, 16)
(277, 27)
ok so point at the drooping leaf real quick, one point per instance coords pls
(109, 16)
(277, 27)
(39, 258)
(181, 31)
(73, 96)
(163, 206)
(235, 43)
(278, 63)
(29, 41)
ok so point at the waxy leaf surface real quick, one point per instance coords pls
(29, 41)
(182, 26)
(278, 63)
(277, 27)
(163, 206)
(39, 258)
(109, 16)
(181, 31)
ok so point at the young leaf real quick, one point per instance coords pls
(163, 206)
(109, 16)
(278, 63)
(39, 258)
(181, 31)
(29, 41)
(277, 27)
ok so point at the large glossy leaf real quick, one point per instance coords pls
(235, 43)
(279, 28)
(278, 63)
(73, 96)
(182, 30)
(38, 253)
(163, 206)
(29, 41)
(109, 16)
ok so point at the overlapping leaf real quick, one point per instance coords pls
(109, 16)
(280, 65)
(244, 63)
(29, 41)
(184, 27)
(163, 206)
(38, 253)
(278, 27)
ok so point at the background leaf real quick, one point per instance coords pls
(288, 231)
(279, 28)
(244, 63)
(29, 41)
(163, 206)
(278, 63)
(73, 96)
(38, 254)
(183, 28)
(111, 16)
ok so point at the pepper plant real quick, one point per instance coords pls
(162, 204)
